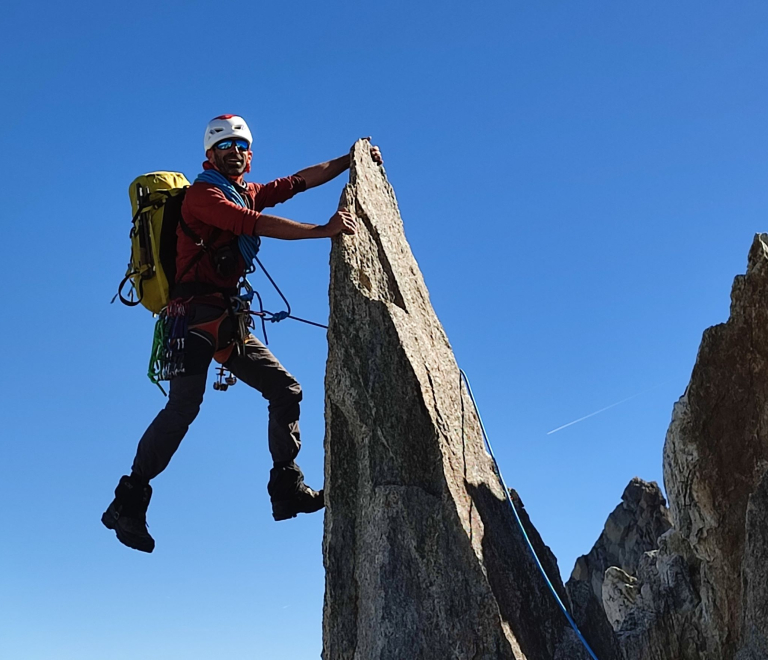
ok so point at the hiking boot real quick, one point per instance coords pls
(127, 514)
(289, 494)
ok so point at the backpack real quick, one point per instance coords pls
(156, 205)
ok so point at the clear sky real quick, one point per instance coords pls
(579, 181)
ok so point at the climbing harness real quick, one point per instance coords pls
(172, 328)
(463, 377)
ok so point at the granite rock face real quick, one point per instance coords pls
(630, 531)
(754, 629)
(603, 587)
(619, 591)
(664, 621)
(423, 557)
(714, 460)
(637, 578)
(701, 592)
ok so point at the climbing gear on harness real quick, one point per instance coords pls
(167, 357)
(463, 378)
(127, 514)
(289, 494)
(226, 126)
(156, 205)
(224, 381)
(173, 328)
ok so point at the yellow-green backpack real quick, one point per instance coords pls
(156, 205)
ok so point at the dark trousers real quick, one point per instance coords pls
(253, 364)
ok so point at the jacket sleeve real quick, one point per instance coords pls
(207, 203)
(278, 191)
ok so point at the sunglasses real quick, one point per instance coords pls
(242, 145)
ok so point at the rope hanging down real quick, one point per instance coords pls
(487, 440)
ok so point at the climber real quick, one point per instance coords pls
(210, 268)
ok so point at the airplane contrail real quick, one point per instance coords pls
(597, 412)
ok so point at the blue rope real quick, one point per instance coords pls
(216, 178)
(249, 245)
(279, 316)
(520, 522)
(249, 248)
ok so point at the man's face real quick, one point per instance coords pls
(231, 156)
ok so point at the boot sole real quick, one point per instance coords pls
(110, 523)
(281, 511)
(287, 509)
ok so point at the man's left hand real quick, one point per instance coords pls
(376, 153)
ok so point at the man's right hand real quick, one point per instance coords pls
(342, 222)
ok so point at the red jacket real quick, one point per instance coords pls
(207, 211)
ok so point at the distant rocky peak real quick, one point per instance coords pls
(697, 590)
(632, 529)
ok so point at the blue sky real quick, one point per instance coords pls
(579, 181)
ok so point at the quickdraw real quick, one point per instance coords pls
(167, 357)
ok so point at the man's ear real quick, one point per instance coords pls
(209, 156)
(249, 156)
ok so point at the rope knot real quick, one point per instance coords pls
(279, 316)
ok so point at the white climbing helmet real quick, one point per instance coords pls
(226, 126)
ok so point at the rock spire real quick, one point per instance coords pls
(423, 557)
